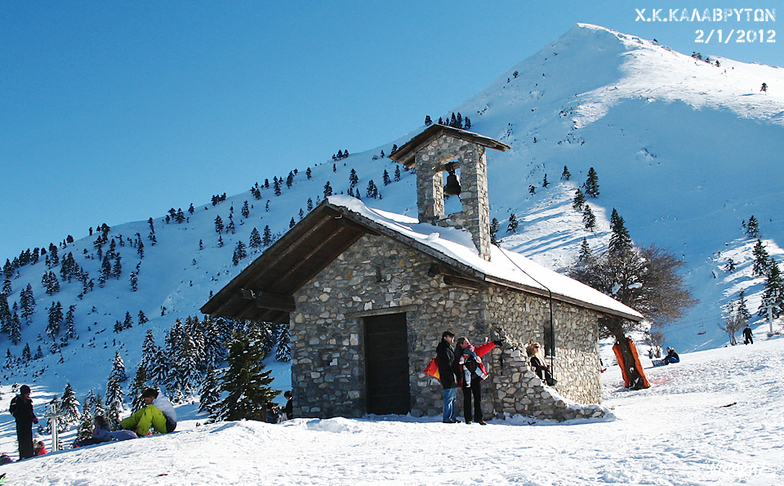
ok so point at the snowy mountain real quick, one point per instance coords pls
(686, 150)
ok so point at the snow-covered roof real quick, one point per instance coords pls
(505, 267)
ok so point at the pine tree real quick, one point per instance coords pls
(245, 383)
(544, 181)
(218, 224)
(761, 260)
(114, 402)
(137, 387)
(592, 184)
(741, 308)
(283, 353)
(566, 175)
(752, 228)
(397, 173)
(27, 356)
(773, 295)
(620, 241)
(210, 392)
(512, 226)
(579, 200)
(55, 320)
(245, 211)
(27, 303)
(353, 180)
(494, 226)
(589, 220)
(255, 239)
(239, 253)
(585, 255)
(118, 369)
(86, 425)
(266, 239)
(70, 330)
(69, 406)
(327, 190)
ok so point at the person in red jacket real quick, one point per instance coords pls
(474, 373)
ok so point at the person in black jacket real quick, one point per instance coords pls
(748, 336)
(448, 369)
(22, 410)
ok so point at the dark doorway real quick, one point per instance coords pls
(386, 361)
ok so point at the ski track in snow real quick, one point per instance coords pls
(713, 419)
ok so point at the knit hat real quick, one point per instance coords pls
(24, 390)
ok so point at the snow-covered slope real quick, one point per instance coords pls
(684, 150)
(714, 418)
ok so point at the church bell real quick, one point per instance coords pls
(452, 187)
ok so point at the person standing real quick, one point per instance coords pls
(22, 410)
(747, 335)
(470, 361)
(448, 371)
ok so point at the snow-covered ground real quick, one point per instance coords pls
(715, 418)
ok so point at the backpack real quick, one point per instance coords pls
(14, 404)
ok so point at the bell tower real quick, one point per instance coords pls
(440, 149)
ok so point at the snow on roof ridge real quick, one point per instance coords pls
(505, 265)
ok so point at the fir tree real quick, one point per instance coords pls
(544, 181)
(114, 402)
(566, 175)
(386, 179)
(592, 184)
(773, 294)
(245, 382)
(620, 241)
(283, 353)
(70, 330)
(266, 239)
(589, 220)
(585, 255)
(512, 226)
(741, 308)
(118, 369)
(327, 190)
(353, 180)
(494, 226)
(86, 425)
(752, 228)
(245, 211)
(69, 406)
(210, 392)
(137, 387)
(397, 173)
(55, 320)
(27, 303)
(255, 239)
(218, 224)
(761, 260)
(239, 253)
(578, 201)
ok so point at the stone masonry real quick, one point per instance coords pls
(431, 161)
(379, 275)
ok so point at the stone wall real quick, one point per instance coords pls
(378, 275)
(470, 158)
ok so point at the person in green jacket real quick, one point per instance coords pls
(158, 414)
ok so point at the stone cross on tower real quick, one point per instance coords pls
(432, 153)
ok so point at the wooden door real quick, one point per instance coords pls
(386, 363)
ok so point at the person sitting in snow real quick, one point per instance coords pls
(672, 357)
(101, 433)
(537, 363)
(39, 449)
(158, 413)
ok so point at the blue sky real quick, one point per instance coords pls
(113, 112)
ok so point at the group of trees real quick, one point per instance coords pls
(455, 121)
(579, 202)
(643, 278)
